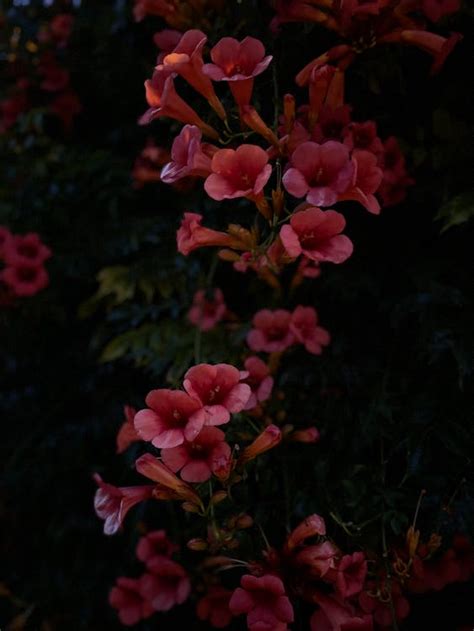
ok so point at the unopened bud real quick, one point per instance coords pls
(243, 522)
(190, 508)
(197, 545)
(218, 497)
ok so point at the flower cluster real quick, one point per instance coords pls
(39, 75)
(23, 256)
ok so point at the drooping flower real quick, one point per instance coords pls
(214, 607)
(268, 439)
(241, 172)
(219, 389)
(271, 331)
(306, 331)
(319, 172)
(187, 157)
(25, 280)
(238, 63)
(367, 179)
(350, 575)
(317, 234)
(171, 418)
(198, 460)
(191, 235)
(207, 311)
(186, 60)
(259, 380)
(165, 101)
(166, 584)
(112, 503)
(127, 599)
(155, 544)
(127, 433)
(25, 249)
(337, 615)
(265, 602)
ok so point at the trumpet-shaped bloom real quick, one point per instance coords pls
(268, 439)
(171, 418)
(206, 312)
(319, 559)
(187, 157)
(306, 331)
(167, 584)
(241, 172)
(312, 526)
(238, 63)
(170, 486)
(112, 503)
(214, 607)
(127, 599)
(219, 389)
(319, 172)
(350, 574)
(127, 433)
(367, 179)
(198, 460)
(265, 602)
(191, 235)
(155, 544)
(259, 380)
(25, 280)
(25, 250)
(271, 331)
(316, 234)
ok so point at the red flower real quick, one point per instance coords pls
(332, 122)
(25, 280)
(316, 234)
(319, 172)
(166, 585)
(206, 312)
(264, 601)
(350, 574)
(271, 332)
(304, 327)
(165, 101)
(214, 607)
(191, 235)
(127, 433)
(112, 503)
(259, 380)
(336, 615)
(127, 599)
(11, 108)
(219, 389)
(207, 454)
(238, 173)
(238, 63)
(187, 157)
(367, 179)
(171, 418)
(186, 60)
(155, 544)
(25, 250)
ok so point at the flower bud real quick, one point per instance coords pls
(197, 545)
(269, 438)
(308, 435)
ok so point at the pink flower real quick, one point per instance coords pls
(169, 485)
(130, 604)
(319, 558)
(271, 332)
(268, 439)
(187, 157)
(238, 63)
(206, 312)
(304, 327)
(165, 101)
(25, 280)
(127, 433)
(25, 250)
(319, 172)
(264, 601)
(154, 544)
(332, 122)
(166, 585)
(201, 458)
(367, 179)
(316, 234)
(112, 503)
(5, 238)
(435, 45)
(242, 172)
(214, 607)
(436, 9)
(363, 136)
(191, 235)
(171, 418)
(350, 574)
(336, 615)
(219, 389)
(259, 380)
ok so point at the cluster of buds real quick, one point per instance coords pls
(23, 257)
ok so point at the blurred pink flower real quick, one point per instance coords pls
(259, 380)
(304, 327)
(271, 331)
(25, 249)
(336, 615)
(127, 599)
(350, 575)
(25, 279)
(219, 389)
(166, 584)
(155, 544)
(367, 180)
(207, 311)
(363, 136)
(214, 607)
